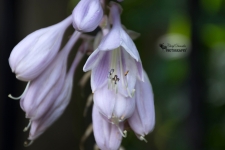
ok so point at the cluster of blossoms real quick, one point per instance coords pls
(122, 90)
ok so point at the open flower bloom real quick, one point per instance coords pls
(87, 15)
(143, 119)
(60, 103)
(107, 136)
(37, 50)
(116, 62)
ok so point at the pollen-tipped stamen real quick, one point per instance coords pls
(26, 144)
(17, 98)
(27, 127)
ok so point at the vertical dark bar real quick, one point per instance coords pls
(195, 121)
(7, 107)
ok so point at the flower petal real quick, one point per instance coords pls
(124, 107)
(106, 135)
(111, 41)
(92, 60)
(100, 71)
(105, 100)
(143, 119)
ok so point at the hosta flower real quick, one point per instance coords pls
(107, 136)
(42, 91)
(116, 60)
(87, 15)
(37, 50)
(115, 66)
(143, 119)
(60, 102)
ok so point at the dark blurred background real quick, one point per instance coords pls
(189, 87)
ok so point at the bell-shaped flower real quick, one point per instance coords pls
(107, 135)
(143, 119)
(116, 61)
(36, 51)
(60, 103)
(87, 15)
(42, 91)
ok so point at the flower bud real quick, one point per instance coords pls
(37, 50)
(43, 90)
(60, 103)
(87, 15)
(107, 135)
(143, 119)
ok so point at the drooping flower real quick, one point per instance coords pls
(42, 91)
(37, 50)
(60, 103)
(143, 119)
(107, 135)
(87, 15)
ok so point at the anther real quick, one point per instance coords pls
(26, 144)
(115, 78)
(27, 127)
(142, 138)
(126, 73)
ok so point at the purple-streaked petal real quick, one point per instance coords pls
(44, 89)
(105, 100)
(36, 51)
(106, 135)
(111, 41)
(128, 45)
(143, 119)
(93, 60)
(100, 71)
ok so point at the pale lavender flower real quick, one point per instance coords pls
(42, 91)
(143, 119)
(116, 60)
(107, 135)
(115, 66)
(60, 103)
(87, 15)
(37, 50)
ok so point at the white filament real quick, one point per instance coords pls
(27, 127)
(17, 98)
(142, 138)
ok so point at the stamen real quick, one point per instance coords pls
(17, 98)
(27, 127)
(143, 139)
(26, 144)
(123, 133)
